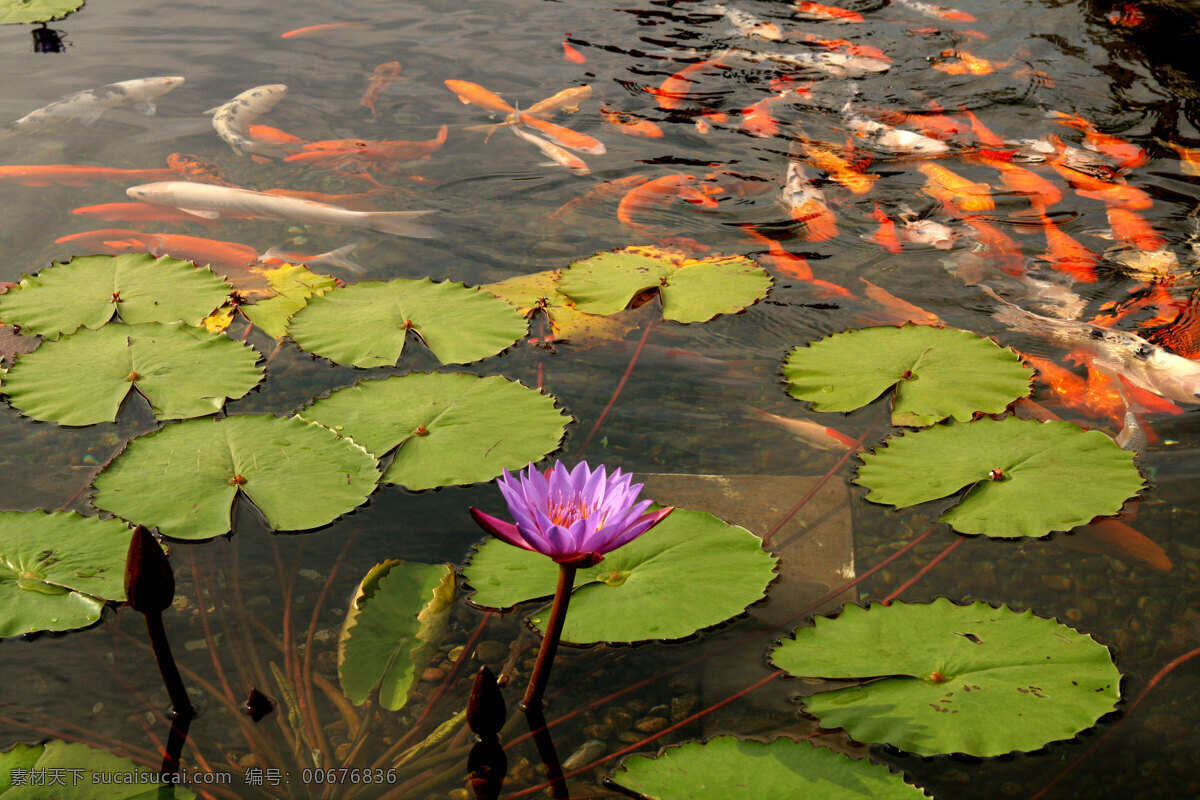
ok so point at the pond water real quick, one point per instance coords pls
(1124, 68)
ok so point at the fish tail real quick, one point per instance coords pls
(401, 223)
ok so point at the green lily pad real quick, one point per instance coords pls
(18, 12)
(395, 623)
(1027, 478)
(638, 592)
(366, 324)
(89, 290)
(690, 290)
(183, 478)
(181, 371)
(293, 285)
(567, 323)
(944, 678)
(83, 773)
(451, 428)
(58, 569)
(938, 373)
(726, 767)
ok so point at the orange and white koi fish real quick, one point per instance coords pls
(839, 169)
(839, 65)
(556, 154)
(951, 188)
(337, 152)
(140, 213)
(382, 78)
(809, 10)
(813, 433)
(570, 53)
(232, 119)
(892, 140)
(932, 123)
(960, 62)
(845, 45)
(629, 124)
(1126, 154)
(899, 310)
(749, 25)
(937, 12)
(674, 92)
(915, 229)
(706, 119)
(886, 236)
(1067, 255)
(806, 206)
(316, 30)
(71, 175)
(88, 105)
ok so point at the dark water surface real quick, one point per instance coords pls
(682, 409)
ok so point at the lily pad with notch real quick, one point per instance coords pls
(691, 290)
(294, 285)
(57, 570)
(638, 592)
(183, 372)
(184, 478)
(90, 290)
(1026, 478)
(937, 372)
(395, 623)
(540, 291)
(783, 769)
(945, 678)
(366, 324)
(20, 12)
(451, 428)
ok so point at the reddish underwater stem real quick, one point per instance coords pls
(616, 392)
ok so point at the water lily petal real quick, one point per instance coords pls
(635, 530)
(500, 529)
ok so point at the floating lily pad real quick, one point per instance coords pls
(394, 626)
(89, 290)
(366, 324)
(691, 571)
(726, 767)
(938, 373)
(293, 285)
(17, 12)
(690, 290)
(451, 428)
(58, 569)
(181, 371)
(1027, 478)
(567, 323)
(84, 773)
(944, 678)
(183, 478)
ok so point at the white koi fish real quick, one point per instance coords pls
(839, 65)
(895, 140)
(1119, 352)
(88, 105)
(232, 120)
(937, 12)
(916, 230)
(557, 155)
(748, 25)
(210, 202)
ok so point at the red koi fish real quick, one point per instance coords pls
(630, 125)
(333, 153)
(265, 133)
(316, 30)
(194, 168)
(570, 53)
(1067, 255)
(1189, 158)
(382, 78)
(813, 433)
(673, 93)
(845, 45)
(1181, 334)
(757, 119)
(991, 145)
(809, 10)
(70, 175)
(1126, 154)
(138, 213)
(1113, 192)
(886, 236)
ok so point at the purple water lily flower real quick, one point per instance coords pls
(575, 516)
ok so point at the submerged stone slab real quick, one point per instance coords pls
(816, 556)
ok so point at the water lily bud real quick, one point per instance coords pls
(258, 705)
(149, 581)
(486, 710)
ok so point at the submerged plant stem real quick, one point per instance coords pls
(616, 392)
(554, 626)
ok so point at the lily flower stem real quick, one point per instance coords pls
(554, 627)
(180, 704)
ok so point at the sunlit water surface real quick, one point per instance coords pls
(676, 414)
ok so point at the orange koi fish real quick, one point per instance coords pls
(563, 137)
(899, 310)
(960, 62)
(140, 213)
(838, 168)
(845, 45)
(656, 193)
(995, 146)
(567, 100)
(212, 252)
(194, 168)
(597, 195)
(1067, 255)
(476, 95)
(999, 246)
(1071, 391)
(708, 118)
(757, 119)
(819, 436)
(1126, 154)
(1110, 192)
(1128, 17)
(673, 92)
(265, 133)
(1113, 537)
(951, 188)
(886, 236)
(1189, 158)
(1130, 227)
(793, 265)
(70, 175)
(1041, 193)
(1147, 400)
(938, 12)
(384, 74)
(1181, 334)
(315, 30)
(806, 206)
(336, 152)
(809, 10)
(570, 53)
(629, 124)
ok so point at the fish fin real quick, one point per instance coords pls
(147, 108)
(201, 212)
(401, 223)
